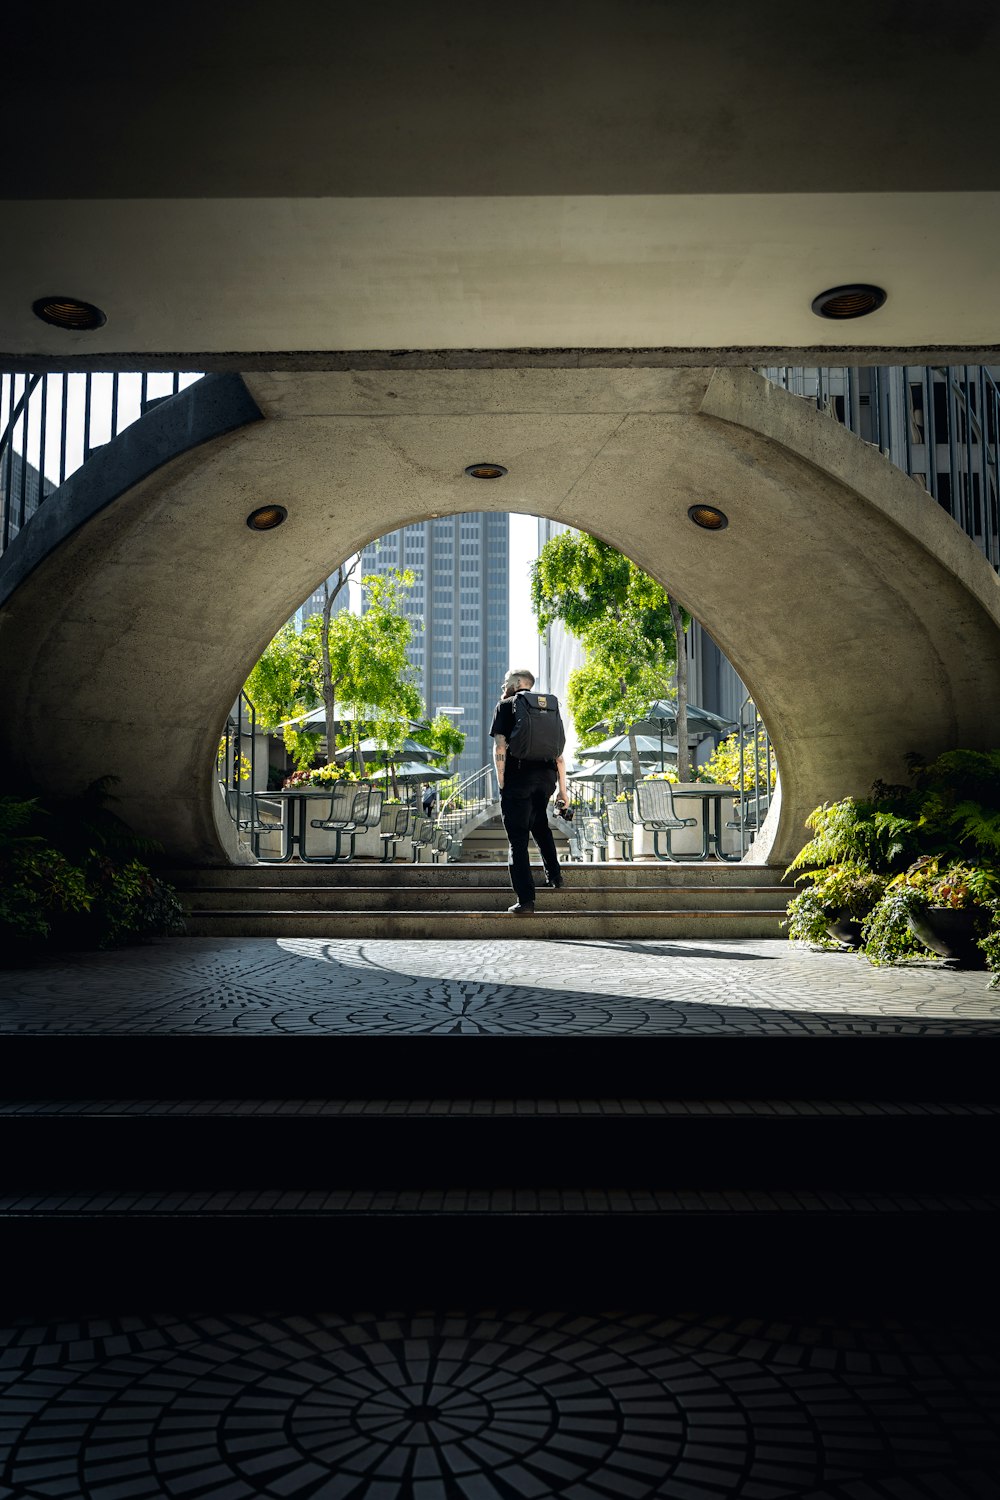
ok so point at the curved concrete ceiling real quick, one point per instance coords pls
(862, 619)
(623, 174)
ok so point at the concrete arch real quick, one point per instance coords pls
(864, 622)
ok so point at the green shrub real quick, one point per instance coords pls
(70, 875)
(885, 936)
(847, 890)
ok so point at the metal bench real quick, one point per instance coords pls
(654, 809)
(621, 827)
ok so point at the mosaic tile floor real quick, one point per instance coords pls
(496, 1405)
(301, 986)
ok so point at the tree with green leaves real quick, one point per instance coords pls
(358, 660)
(442, 737)
(629, 626)
(285, 684)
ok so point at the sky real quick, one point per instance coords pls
(523, 633)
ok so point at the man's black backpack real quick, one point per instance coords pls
(538, 732)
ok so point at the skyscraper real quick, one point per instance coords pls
(459, 595)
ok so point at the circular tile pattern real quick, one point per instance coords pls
(297, 986)
(491, 1406)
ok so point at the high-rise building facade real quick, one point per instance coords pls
(940, 424)
(460, 598)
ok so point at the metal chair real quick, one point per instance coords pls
(654, 809)
(348, 811)
(577, 840)
(393, 825)
(373, 816)
(245, 813)
(621, 827)
(596, 837)
(423, 838)
(442, 844)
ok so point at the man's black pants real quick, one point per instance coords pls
(524, 805)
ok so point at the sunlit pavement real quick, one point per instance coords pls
(303, 986)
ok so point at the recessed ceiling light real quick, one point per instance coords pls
(708, 517)
(69, 312)
(266, 518)
(486, 471)
(849, 301)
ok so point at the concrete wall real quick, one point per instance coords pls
(864, 623)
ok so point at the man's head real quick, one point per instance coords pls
(517, 681)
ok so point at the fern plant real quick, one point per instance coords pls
(959, 801)
(879, 834)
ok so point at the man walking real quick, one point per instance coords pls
(525, 789)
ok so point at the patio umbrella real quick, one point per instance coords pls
(618, 746)
(411, 770)
(316, 719)
(371, 748)
(664, 712)
(607, 770)
(661, 717)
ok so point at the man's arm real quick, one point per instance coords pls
(561, 773)
(499, 757)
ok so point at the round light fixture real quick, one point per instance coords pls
(708, 517)
(266, 518)
(842, 302)
(486, 471)
(69, 312)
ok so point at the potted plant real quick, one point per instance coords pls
(829, 912)
(923, 859)
(943, 904)
(857, 846)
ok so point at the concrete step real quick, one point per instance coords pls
(446, 1243)
(661, 875)
(307, 1144)
(456, 1066)
(489, 898)
(547, 922)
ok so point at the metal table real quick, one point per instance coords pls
(296, 825)
(710, 798)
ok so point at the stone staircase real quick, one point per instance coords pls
(355, 900)
(420, 1171)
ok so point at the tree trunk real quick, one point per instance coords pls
(681, 689)
(632, 744)
(330, 595)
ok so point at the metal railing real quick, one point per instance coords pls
(237, 762)
(940, 424)
(758, 768)
(469, 799)
(50, 424)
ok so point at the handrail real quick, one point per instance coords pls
(487, 775)
(241, 725)
(50, 424)
(755, 799)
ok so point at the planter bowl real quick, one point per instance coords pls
(951, 932)
(845, 929)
